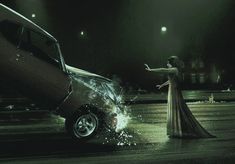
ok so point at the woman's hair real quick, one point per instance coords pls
(175, 62)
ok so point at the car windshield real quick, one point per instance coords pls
(35, 43)
(10, 31)
(39, 45)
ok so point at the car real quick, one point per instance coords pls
(32, 62)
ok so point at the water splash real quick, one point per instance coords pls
(122, 121)
(123, 138)
(112, 96)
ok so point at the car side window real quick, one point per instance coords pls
(40, 46)
(10, 31)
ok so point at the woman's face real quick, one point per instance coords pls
(168, 64)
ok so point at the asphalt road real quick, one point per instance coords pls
(189, 95)
(39, 137)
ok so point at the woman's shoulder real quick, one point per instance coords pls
(173, 70)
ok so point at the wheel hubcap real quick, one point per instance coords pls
(85, 125)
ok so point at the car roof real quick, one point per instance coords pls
(8, 14)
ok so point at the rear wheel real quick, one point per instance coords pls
(82, 125)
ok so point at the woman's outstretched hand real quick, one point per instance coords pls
(159, 86)
(147, 67)
(162, 85)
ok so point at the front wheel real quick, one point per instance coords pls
(82, 126)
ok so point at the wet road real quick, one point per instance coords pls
(189, 96)
(39, 137)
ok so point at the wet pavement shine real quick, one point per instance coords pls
(43, 139)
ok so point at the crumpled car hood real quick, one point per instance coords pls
(83, 73)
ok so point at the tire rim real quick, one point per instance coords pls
(85, 125)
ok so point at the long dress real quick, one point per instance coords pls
(180, 121)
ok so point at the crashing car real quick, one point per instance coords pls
(32, 62)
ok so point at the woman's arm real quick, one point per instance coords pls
(163, 85)
(162, 70)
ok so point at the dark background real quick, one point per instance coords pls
(121, 35)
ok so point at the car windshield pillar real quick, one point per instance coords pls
(62, 63)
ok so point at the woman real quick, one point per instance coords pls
(180, 121)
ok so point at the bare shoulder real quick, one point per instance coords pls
(173, 70)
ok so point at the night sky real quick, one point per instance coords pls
(119, 36)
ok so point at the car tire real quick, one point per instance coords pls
(83, 125)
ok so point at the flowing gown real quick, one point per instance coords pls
(180, 121)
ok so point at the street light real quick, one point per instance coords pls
(82, 34)
(33, 15)
(163, 29)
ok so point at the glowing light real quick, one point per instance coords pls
(163, 29)
(82, 33)
(33, 15)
